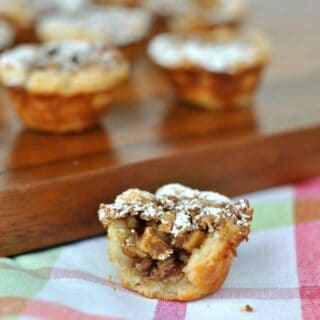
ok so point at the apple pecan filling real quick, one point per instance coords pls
(160, 231)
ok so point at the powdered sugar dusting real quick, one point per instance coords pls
(171, 51)
(176, 190)
(16, 64)
(191, 209)
(112, 24)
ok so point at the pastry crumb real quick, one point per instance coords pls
(111, 282)
(247, 308)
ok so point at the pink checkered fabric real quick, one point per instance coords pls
(277, 272)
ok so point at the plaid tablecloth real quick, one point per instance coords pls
(277, 273)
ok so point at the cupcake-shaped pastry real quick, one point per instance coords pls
(212, 72)
(209, 16)
(119, 26)
(21, 15)
(7, 35)
(63, 87)
(176, 244)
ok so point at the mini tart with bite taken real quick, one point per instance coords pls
(214, 71)
(126, 28)
(20, 14)
(63, 87)
(176, 244)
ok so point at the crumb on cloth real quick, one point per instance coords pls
(247, 308)
(111, 282)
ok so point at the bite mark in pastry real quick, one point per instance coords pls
(212, 71)
(176, 244)
(62, 87)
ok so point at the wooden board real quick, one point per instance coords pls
(50, 186)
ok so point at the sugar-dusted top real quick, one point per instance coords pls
(229, 55)
(113, 24)
(191, 209)
(17, 64)
(7, 35)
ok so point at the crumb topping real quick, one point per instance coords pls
(179, 209)
(116, 25)
(6, 35)
(18, 63)
(169, 50)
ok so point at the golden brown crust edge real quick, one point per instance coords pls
(205, 272)
(60, 114)
(213, 91)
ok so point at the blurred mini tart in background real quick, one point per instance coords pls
(176, 244)
(120, 26)
(7, 35)
(20, 14)
(62, 87)
(221, 14)
(215, 71)
(185, 16)
(47, 7)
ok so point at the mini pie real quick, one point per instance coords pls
(7, 35)
(43, 7)
(21, 15)
(186, 16)
(63, 87)
(176, 244)
(220, 14)
(119, 26)
(215, 71)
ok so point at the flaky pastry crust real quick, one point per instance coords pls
(60, 114)
(62, 87)
(205, 272)
(215, 91)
